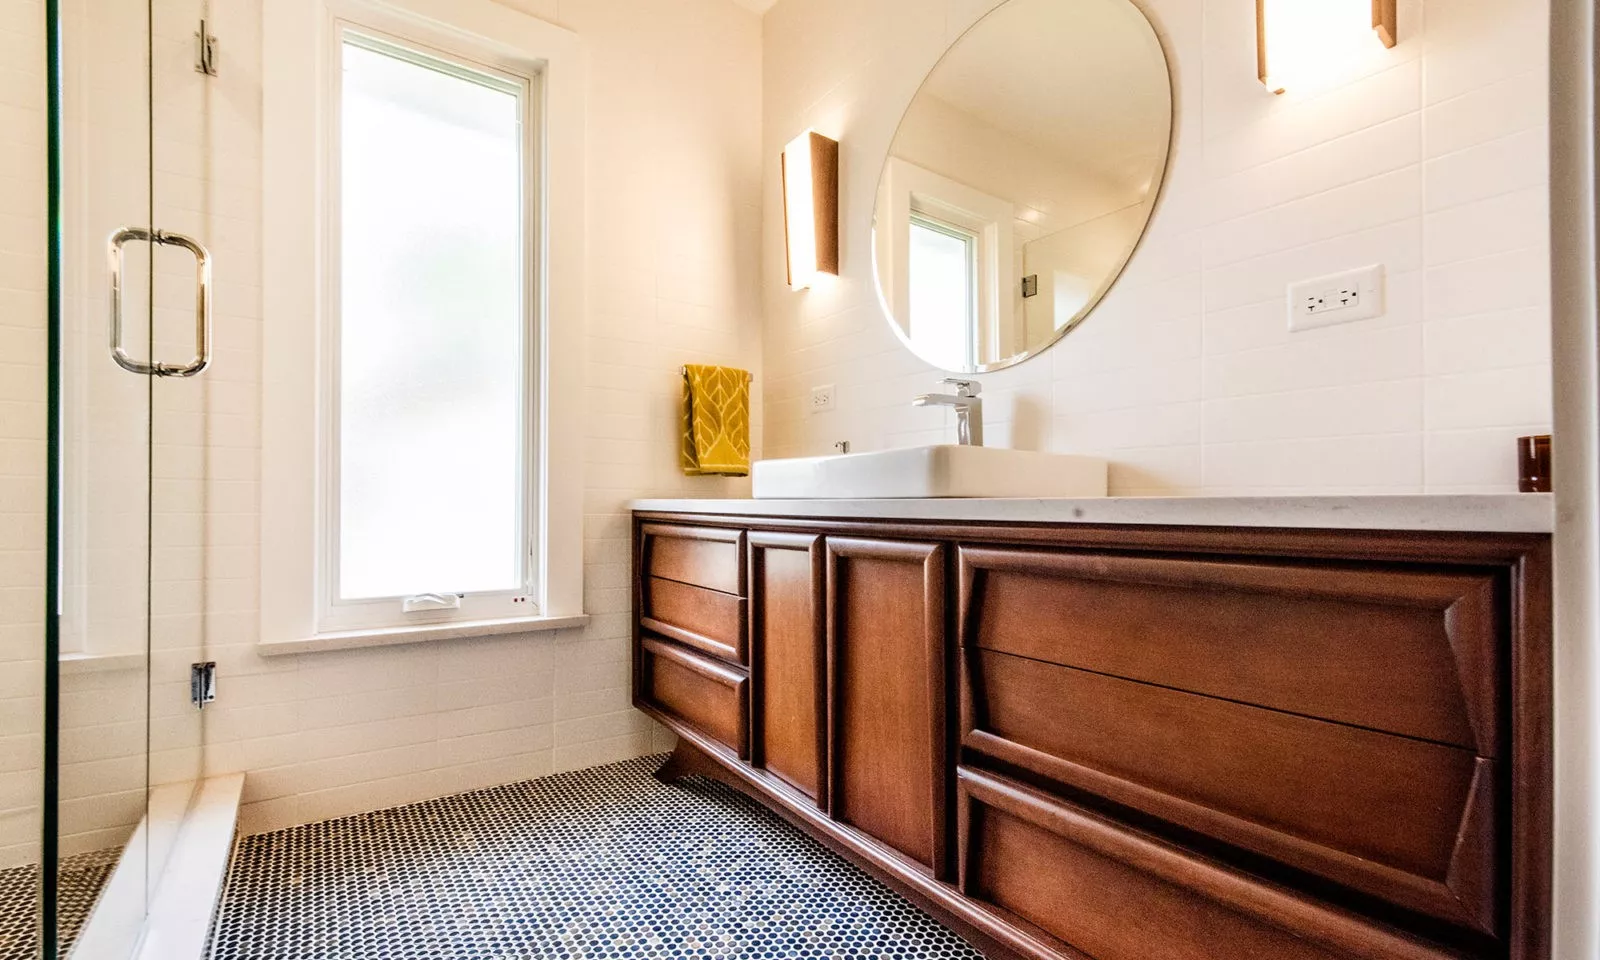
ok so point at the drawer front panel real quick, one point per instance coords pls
(886, 653)
(710, 621)
(788, 640)
(1401, 651)
(1115, 894)
(700, 692)
(703, 556)
(1406, 820)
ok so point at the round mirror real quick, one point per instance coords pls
(1021, 179)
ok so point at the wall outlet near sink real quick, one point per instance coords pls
(822, 398)
(1336, 298)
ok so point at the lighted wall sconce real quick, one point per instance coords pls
(1299, 42)
(811, 207)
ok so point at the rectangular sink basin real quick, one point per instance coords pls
(945, 470)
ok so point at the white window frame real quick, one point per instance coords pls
(973, 241)
(909, 189)
(302, 45)
(334, 612)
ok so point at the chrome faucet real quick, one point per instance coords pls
(969, 409)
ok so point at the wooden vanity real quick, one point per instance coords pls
(1141, 741)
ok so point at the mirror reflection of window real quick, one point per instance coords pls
(944, 303)
(1043, 132)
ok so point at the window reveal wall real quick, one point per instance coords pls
(673, 274)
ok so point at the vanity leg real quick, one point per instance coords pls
(688, 761)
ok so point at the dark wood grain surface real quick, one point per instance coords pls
(788, 643)
(1173, 742)
(886, 655)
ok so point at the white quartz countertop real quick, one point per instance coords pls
(1481, 513)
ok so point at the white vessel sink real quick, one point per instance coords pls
(946, 470)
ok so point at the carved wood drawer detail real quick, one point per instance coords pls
(703, 693)
(707, 557)
(1115, 893)
(1278, 708)
(1402, 651)
(707, 620)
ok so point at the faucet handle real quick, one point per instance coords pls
(964, 388)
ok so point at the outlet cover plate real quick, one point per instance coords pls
(1336, 298)
(822, 398)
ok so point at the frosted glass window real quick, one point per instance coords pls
(432, 376)
(942, 298)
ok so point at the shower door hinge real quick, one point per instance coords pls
(205, 50)
(202, 684)
(1030, 286)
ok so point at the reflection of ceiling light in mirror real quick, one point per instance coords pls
(1306, 44)
(811, 207)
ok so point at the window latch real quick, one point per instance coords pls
(430, 601)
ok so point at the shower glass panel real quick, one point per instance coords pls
(135, 297)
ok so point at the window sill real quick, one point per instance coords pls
(422, 633)
(73, 664)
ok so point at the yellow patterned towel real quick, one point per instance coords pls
(716, 421)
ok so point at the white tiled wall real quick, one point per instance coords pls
(673, 224)
(22, 424)
(674, 213)
(1431, 162)
(1430, 159)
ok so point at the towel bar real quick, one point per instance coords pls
(748, 376)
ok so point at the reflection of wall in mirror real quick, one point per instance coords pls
(1050, 191)
(1072, 265)
(1075, 224)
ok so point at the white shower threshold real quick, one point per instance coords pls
(184, 844)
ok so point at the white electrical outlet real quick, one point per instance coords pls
(1336, 298)
(822, 398)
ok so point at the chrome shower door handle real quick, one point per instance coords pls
(202, 303)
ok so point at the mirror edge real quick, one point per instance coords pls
(1153, 202)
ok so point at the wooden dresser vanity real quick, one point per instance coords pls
(1129, 741)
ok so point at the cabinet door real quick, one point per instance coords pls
(788, 660)
(886, 666)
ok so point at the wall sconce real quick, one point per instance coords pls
(1299, 42)
(811, 207)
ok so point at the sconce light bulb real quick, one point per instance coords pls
(1312, 44)
(811, 207)
(799, 214)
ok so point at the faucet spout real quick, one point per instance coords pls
(968, 407)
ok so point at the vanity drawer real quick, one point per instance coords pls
(708, 620)
(701, 556)
(1409, 651)
(1113, 893)
(1409, 821)
(695, 690)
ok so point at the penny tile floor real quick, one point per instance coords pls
(600, 863)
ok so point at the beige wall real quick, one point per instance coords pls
(673, 119)
(673, 208)
(1431, 161)
(22, 424)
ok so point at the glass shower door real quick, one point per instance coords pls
(102, 775)
(135, 328)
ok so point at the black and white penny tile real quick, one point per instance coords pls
(601, 863)
(81, 880)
